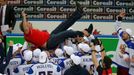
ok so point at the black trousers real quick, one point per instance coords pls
(61, 33)
(6, 61)
(4, 43)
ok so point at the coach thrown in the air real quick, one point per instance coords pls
(43, 39)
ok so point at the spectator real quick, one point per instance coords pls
(7, 20)
(6, 61)
(1, 51)
(7, 15)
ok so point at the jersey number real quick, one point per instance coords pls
(46, 73)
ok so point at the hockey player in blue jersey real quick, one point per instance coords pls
(44, 68)
(59, 55)
(18, 57)
(63, 57)
(36, 54)
(87, 58)
(22, 69)
(76, 69)
(18, 60)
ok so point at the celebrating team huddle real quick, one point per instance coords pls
(36, 62)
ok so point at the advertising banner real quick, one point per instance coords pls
(104, 10)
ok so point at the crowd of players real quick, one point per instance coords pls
(31, 61)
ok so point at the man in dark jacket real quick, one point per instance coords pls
(5, 61)
(1, 51)
(7, 15)
(7, 20)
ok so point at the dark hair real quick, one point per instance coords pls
(79, 33)
(96, 41)
(108, 62)
(21, 27)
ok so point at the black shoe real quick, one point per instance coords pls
(90, 29)
(79, 8)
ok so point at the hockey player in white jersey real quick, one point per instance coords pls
(76, 69)
(17, 58)
(22, 69)
(121, 59)
(86, 57)
(59, 56)
(126, 37)
(68, 50)
(16, 61)
(68, 62)
(19, 48)
(27, 57)
(36, 54)
(86, 50)
(43, 68)
(64, 61)
(13, 64)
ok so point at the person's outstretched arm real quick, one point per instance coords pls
(9, 54)
(25, 46)
(118, 22)
(24, 27)
(103, 53)
(99, 68)
(94, 58)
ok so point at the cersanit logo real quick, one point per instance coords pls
(61, 9)
(125, 3)
(104, 3)
(93, 9)
(82, 2)
(114, 9)
(56, 2)
(26, 8)
(56, 15)
(32, 2)
(46, 8)
(14, 2)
